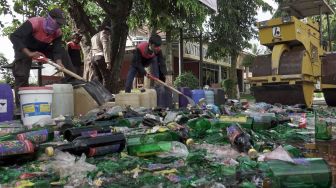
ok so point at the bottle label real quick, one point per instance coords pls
(92, 133)
(36, 109)
(34, 136)
(16, 147)
(3, 105)
(237, 119)
(299, 119)
(103, 150)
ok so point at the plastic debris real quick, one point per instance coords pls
(278, 154)
(67, 165)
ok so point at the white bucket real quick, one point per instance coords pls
(36, 104)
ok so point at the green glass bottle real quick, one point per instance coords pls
(151, 144)
(161, 149)
(313, 172)
(149, 149)
(198, 126)
(293, 151)
(247, 185)
(323, 128)
(141, 139)
(265, 121)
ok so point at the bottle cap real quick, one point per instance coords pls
(49, 151)
(266, 151)
(190, 141)
(114, 129)
(162, 129)
(252, 153)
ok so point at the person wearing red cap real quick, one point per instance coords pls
(38, 36)
(147, 54)
(74, 51)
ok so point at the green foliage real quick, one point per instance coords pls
(232, 28)
(5, 74)
(172, 14)
(186, 79)
(4, 9)
(248, 97)
(248, 60)
(11, 28)
(227, 84)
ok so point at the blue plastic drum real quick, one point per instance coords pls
(209, 96)
(6, 103)
(183, 102)
(197, 94)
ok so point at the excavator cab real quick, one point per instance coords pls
(299, 63)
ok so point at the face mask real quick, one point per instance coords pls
(50, 25)
(157, 48)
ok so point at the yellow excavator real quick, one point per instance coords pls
(300, 63)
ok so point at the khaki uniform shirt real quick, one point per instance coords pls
(101, 45)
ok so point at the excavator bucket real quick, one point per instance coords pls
(329, 78)
(286, 87)
(284, 94)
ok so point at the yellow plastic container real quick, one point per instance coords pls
(128, 99)
(83, 102)
(148, 99)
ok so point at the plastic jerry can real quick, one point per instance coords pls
(197, 94)
(6, 103)
(128, 99)
(80, 107)
(148, 98)
(164, 97)
(183, 102)
(209, 96)
(63, 100)
(219, 96)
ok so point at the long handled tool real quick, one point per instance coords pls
(190, 100)
(60, 68)
(95, 88)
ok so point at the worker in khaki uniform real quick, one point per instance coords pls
(101, 56)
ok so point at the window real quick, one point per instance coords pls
(224, 73)
(210, 74)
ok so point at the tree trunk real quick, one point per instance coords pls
(169, 57)
(247, 70)
(233, 91)
(119, 37)
(82, 22)
(118, 11)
